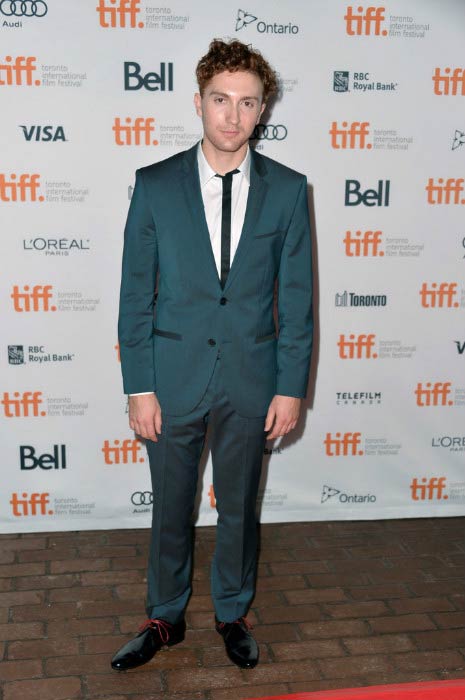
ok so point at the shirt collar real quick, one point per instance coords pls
(206, 172)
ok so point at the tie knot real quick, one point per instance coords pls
(227, 176)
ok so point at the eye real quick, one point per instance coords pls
(220, 100)
(249, 104)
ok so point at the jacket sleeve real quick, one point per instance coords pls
(137, 294)
(295, 303)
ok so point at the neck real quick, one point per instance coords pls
(223, 161)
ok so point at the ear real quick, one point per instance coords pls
(198, 104)
(262, 109)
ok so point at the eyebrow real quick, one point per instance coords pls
(224, 94)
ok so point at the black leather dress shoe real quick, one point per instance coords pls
(153, 635)
(241, 647)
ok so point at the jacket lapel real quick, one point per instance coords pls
(191, 185)
(257, 191)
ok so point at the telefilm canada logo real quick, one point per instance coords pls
(358, 398)
(245, 19)
(329, 492)
(360, 82)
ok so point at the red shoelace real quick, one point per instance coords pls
(237, 622)
(163, 628)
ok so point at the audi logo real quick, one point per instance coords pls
(26, 8)
(142, 498)
(269, 132)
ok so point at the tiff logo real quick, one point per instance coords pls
(344, 445)
(23, 190)
(365, 23)
(433, 297)
(142, 126)
(429, 489)
(366, 244)
(442, 194)
(37, 300)
(13, 73)
(353, 136)
(123, 15)
(25, 407)
(35, 504)
(357, 347)
(447, 84)
(125, 453)
(436, 394)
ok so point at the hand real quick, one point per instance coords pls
(282, 415)
(145, 416)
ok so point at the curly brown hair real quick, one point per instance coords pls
(235, 56)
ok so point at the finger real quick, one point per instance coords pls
(269, 419)
(158, 422)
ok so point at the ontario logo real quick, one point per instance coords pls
(458, 140)
(245, 18)
(328, 492)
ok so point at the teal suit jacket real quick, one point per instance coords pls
(169, 342)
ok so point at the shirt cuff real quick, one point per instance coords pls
(142, 393)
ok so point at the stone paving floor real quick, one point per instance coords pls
(338, 604)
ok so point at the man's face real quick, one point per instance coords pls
(230, 108)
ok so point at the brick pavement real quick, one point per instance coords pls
(339, 604)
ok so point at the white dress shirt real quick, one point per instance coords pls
(212, 195)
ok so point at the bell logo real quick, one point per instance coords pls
(353, 136)
(436, 394)
(126, 452)
(28, 459)
(447, 84)
(18, 71)
(343, 445)
(363, 244)
(439, 296)
(23, 190)
(25, 405)
(442, 194)
(370, 198)
(124, 15)
(362, 23)
(429, 489)
(35, 504)
(124, 134)
(357, 347)
(37, 300)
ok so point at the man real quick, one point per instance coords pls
(219, 224)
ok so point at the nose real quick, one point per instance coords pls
(233, 114)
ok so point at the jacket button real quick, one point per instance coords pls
(211, 341)
(223, 301)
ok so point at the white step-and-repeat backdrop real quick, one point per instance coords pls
(372, 111)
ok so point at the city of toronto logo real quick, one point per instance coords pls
(243, 19)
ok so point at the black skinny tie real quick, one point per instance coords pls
(226, 225)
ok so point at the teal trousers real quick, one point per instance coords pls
(237, 446)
